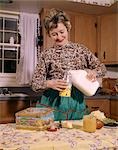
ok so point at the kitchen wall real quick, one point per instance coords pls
(112, 72)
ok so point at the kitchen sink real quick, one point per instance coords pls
(14, 95)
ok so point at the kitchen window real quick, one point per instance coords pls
(9, 47)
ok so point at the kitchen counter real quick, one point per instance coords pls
(26, 94)
(100, 96)
(65, 139)
(14, 96)
(28, 97)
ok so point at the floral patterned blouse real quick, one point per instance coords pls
(55, 61)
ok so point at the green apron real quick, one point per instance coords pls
(65, 108)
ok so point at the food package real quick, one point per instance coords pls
(99, 118)
(98, 114)
(34, 118)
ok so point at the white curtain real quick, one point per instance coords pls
(28, 57)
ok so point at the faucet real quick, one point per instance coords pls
(5, 91)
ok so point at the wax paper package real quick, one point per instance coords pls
(33, 118)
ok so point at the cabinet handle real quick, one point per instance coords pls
(104, 55)
(96, 54)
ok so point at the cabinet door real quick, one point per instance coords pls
(47, 42)
(86, 31)
(72, 31)
(109, 38)
(114, 109)
(8, 108)
(99, 104)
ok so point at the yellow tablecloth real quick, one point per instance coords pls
(63, 139)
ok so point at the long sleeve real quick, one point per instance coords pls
(94, 63)
(39, 76)
(54, 62)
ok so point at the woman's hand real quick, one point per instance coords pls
(56, 84)
(91, 75)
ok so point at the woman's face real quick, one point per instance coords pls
(59, 35)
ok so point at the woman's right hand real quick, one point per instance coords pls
(56, 84)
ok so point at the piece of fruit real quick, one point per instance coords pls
(99, 124)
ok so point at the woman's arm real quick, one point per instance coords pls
(40, 81)
(39, 76)
(94, 64)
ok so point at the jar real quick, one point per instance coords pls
(11, 40)
(89, 123)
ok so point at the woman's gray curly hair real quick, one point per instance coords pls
(54, 17)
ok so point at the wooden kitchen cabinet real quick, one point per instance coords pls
(8, 108)
(109, 38)
(99, 104)
(114, 109)
(47, 42)
(86, 31)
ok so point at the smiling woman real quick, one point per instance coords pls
(56, 61)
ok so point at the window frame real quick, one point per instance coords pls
(9, 79)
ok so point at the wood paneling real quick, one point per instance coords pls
(86, 31)
(8, 108)
(109, 38)
(114, 109)
(99, 104)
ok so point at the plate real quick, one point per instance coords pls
(111, 125)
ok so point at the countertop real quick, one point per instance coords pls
(65, 139)
(14, 96)
(100, 96)
(36, 97)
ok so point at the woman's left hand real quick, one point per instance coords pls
(91, 75)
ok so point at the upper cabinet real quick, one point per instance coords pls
(86, 31)
(47, 42)
(109, 38)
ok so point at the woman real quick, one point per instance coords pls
(56, 61)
